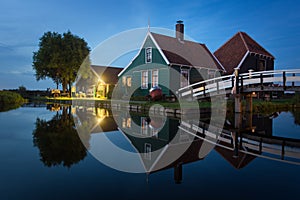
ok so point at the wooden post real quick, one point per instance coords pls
(237, 85)
(249, 104)
(237, 98)
(236, 146)
(284, 80)
(282, 150)
(217, 87)
(178, 173)
(242, 84)
(204, 93)
(261, 81)
(293, 83)
(237, 103)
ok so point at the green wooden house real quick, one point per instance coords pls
(168, 62)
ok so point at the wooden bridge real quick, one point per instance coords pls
(268, 147)
(276, 80)
(244, 85)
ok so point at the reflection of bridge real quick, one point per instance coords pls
(269, 147)
(244, 84)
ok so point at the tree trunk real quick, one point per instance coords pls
(70, 88)
(64, 85)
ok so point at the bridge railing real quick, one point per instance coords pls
(224, 84)
(274, 148)
(217, 84)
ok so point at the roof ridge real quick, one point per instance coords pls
(226, 42)
(242, 37)
(256, 43)
(174, 38)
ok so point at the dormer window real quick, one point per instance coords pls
(148, 55)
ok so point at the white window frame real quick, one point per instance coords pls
(153, 81)
(124, 81)
(181, 78)
(128, 81)
(144, 126)
(211, 74)
(144, 83)
(148, 55)
(147, 151)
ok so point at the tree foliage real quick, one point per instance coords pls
(59, 57)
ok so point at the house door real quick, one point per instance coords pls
(101, 91)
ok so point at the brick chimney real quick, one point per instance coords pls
(179, 30)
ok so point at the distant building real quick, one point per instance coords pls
(103, 84)
(244, 53)
(158, 54)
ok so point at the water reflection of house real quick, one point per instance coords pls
(239, 161)
(168, 147)
(95, 120)
(160, 143)
(103, 84)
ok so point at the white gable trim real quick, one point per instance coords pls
(159, 49)
(218, 62)
(155, 43)
(245, 56)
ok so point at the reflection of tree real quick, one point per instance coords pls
(58, 140)
(296, 114)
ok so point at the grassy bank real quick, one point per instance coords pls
(259, 106)
(10, 100)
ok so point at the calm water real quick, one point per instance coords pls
(42, 157)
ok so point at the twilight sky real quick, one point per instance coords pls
(274, 24)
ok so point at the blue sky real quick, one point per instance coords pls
(273, 24)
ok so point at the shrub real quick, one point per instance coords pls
(10, 100)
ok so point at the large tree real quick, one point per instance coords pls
(59, 57)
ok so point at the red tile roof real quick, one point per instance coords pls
(186, 52)
(232, 52)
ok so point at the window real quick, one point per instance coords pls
(147, 151)
(144, 126)
(154, 77)
(129, 81)
(123, 123)
(124, 80)
(148, 55)
(261, 65)
(128, 122)
(144, 84)
(211, 74)
(184, 78)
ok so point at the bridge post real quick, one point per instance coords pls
(237, 98)
(236, 133)
(178, 173)
(249, 103)
(293, 83)
(284, 80)
(261, 82)
(242, 84)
